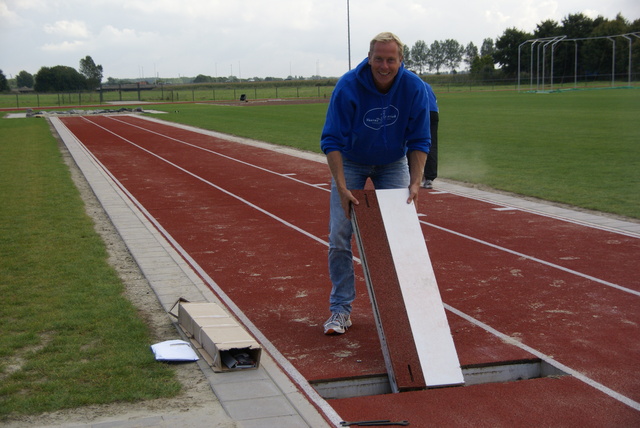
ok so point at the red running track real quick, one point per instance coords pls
(517, 285)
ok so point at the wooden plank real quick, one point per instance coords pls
(400, 354)
(403, 287)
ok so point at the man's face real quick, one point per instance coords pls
(385, 62)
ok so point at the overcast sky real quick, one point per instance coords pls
(253, 38)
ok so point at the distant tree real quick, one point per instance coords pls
(487, 47)
(548, 28)
(470, 54)
(453, 52)
(91, 72)
(598, 53)
(24, 80)
(201, 78)
(483, 67)
(4, 84)
(408, 61)
(506, 53)
(577, 26)
(59, 78)
(420, 56)
(437, 56)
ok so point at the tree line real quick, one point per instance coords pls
(492, 60)
(59, 78)
(500, 59)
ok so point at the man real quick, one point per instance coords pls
(378, 117)
(431, 167)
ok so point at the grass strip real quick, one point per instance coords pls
(578, 148)
(68, 336)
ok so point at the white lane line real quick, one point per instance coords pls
(226, 192)
(287, 365)
(281, 360)
(537, 260)
(510, 340)
(553, 265)
(186, 143)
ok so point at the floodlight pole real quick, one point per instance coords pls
(349, 34)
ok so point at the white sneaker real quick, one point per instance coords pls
(338, 323)
(427, 184)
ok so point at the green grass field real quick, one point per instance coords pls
(69, 337)
(580, 148)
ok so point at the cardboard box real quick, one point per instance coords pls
(191, 315)
(221, 340)
(217, 322)
(225, 344)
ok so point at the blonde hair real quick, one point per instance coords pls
(388, 37)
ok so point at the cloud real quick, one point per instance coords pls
(496, 17)
(9, 18)
(72, 29)
(64, 46)
(254, 37)
(113, 35)
(7, 14)
(591, 13)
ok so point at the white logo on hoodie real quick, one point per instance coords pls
(379, 117)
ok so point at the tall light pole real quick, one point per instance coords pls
(349, 34)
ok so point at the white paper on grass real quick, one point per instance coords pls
(174, 350)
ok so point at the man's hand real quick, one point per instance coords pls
(346, 199)
(334, 159)
(413, 194)
(417, 159)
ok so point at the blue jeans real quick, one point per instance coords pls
(390, 176)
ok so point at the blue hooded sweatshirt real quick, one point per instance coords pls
(372, 128)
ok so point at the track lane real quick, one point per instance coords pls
(159, 207)
(559, 243)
